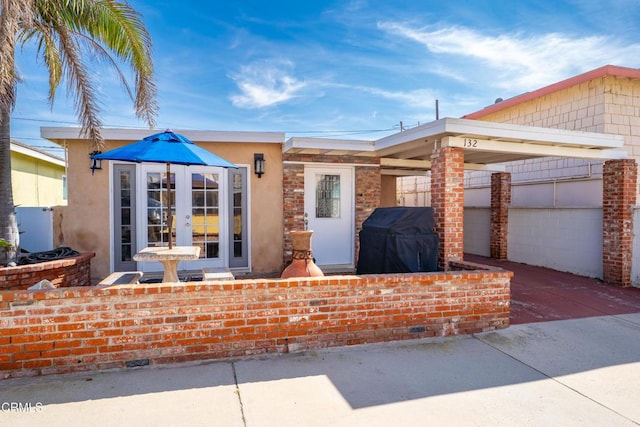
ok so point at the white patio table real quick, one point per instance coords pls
(169, 258)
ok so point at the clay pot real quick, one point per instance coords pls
(302, 264)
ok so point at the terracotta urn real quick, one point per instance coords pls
(302, 264)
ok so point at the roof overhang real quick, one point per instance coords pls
(17, 147)
(326, 146)
(61, 134)
(486, 145)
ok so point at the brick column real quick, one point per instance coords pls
(500, 202)
(619, 182)
(368, 191)
(447, 200)
(293, 205)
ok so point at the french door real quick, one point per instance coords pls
(198, 208)
(208, 206)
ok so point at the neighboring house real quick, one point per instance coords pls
(37, 177)
(39, 184)
(326, 185)
(555, 215)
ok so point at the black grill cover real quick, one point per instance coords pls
(398, 240)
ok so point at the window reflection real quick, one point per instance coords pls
(125, 217)
(205, 203)
(327, 196)
(157, 212)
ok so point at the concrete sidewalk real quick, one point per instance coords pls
(583, 372)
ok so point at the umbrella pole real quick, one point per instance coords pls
(169, 216)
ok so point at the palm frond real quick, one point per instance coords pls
(120, 28)
(13, 13)
(45, 39)
(79, 83)
(113, 32)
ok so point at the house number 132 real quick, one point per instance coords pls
(468, 142)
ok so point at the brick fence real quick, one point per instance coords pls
(67, 272)
(93, 328)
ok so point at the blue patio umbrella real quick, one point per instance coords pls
(169, 148)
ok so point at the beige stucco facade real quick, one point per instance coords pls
(85, 224)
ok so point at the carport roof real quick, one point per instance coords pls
(485, 144)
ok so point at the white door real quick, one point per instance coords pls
(329, 212)
(198, 209)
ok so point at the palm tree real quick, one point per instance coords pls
(66, 33)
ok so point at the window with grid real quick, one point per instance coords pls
(327, 196)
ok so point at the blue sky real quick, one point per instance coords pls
(345, 69)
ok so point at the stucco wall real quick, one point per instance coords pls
(562, 239)
(477, 231)
(635, 267)
(84, 224)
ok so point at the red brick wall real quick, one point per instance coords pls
(367, 192)
(447, 200)
(72, 271)
(293, 193)
(82, 329)
(619, 178)
(500, 202)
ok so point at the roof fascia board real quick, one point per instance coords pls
(539, 150)
(355, 145)
(491, 130)
(122, 134)
(494, 130)
(426, 130)
(16, 148)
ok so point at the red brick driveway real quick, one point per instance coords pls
(540, 294)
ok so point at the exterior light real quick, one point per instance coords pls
(258, 164)
(95, 163)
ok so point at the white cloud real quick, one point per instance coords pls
(419, 99)
(518, 61)
(265, 83)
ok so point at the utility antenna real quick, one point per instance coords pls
(437, 110)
